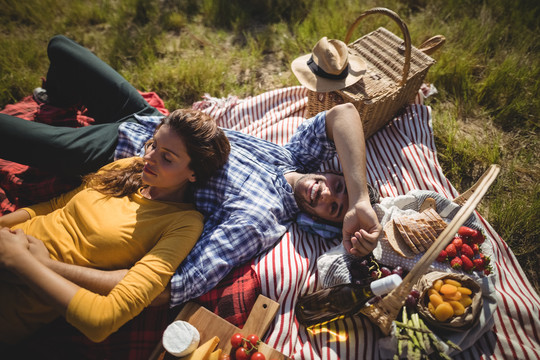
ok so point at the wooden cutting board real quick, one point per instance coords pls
(209, 325)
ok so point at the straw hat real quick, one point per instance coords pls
(329, 67)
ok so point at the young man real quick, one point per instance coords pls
(248, 205)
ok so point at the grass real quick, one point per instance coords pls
(487, 110)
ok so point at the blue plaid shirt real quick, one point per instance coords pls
(248, 205)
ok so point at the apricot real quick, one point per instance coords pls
(465, 300)
(452, 282)
(459, 309)
(431, 308)
(436, 300)
(452, 297)
(464, 290)
(448, 289)
(437, 284)
(444, 311)
(432, 291)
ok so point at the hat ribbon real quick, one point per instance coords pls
(320, 72)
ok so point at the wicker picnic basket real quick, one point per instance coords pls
(395, 72)
(385, 311)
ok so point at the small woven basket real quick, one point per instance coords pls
(395, 72)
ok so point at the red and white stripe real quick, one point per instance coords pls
(400, 157)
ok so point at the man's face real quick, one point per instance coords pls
(323, 195)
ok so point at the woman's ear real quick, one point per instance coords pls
(192, 178)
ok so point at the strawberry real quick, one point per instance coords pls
(467, 251)
(467, 263)
(479, 264)
(451, 251)
(478, 238)
(485, 258)
(456, 263)
(457, 241)
(467, 232)
(443, 256)
(487, 271)
(475, 248)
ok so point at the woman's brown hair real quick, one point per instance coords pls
(206, 145)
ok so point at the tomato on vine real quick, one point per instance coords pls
(237, 340)
(241, 354)
(257, 356)
(254, 340)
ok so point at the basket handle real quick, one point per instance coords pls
(404, 30)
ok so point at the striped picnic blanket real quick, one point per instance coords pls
(401, 157)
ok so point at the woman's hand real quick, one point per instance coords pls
(13, 246)
(38, 249)
(14, 218)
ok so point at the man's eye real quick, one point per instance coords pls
(334, 208)
(339, 187)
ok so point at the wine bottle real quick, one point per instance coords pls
(341, 300)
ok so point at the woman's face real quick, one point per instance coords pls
(167, 161)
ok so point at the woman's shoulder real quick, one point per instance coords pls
(188, 212)
(187, 220)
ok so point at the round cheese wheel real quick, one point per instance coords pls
(181, 338)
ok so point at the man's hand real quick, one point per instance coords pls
(361, 229)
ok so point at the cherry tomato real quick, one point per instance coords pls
(237, 340)
(241, 354)
(254, 340)
(225, 356)
(257, 356)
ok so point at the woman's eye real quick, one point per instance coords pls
(334, 208)
(166, 159)
(339, 187)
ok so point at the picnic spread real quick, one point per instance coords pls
(485, 309)
(402, 165)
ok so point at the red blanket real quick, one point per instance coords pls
(21, 185)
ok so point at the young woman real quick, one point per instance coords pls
(133, 213)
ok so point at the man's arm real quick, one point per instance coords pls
(361, 227)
